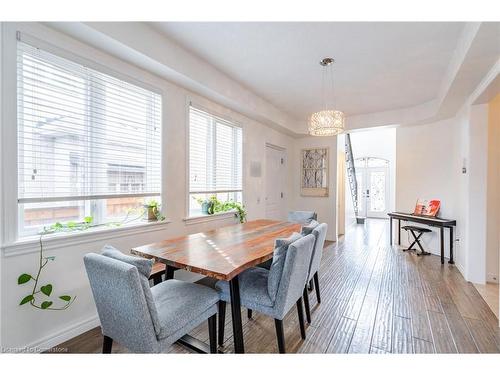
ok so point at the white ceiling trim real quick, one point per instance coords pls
(463, 46)
(163, 57)
(488, 88)
(455, 90)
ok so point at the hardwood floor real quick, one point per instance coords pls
(375, 299)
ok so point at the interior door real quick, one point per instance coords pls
(275, 183)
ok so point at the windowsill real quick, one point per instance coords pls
(57, 240)
(205, 218)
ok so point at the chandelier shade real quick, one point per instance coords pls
(326, 123)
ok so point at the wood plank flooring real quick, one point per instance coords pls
(375, 299)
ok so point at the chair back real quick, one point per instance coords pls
(121, 303)
(294, 276)
(320, 235)
(302, 217)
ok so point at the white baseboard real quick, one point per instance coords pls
(65, 334)
(491, 278)
(461, 269)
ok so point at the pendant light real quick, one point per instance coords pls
(329, 121)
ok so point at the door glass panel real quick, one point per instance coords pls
(377, 191)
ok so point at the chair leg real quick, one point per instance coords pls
(222, 321)
(107, 344)
(305, 295)
(301, 319)
(212, 333)
(280, 335)
(249, 313)
(316, 283)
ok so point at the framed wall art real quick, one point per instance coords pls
(314, 180)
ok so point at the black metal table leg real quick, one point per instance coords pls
(234, 289)
(451, 261)
(399, 232)
(441, 237)
(188, 341)
(390, 230)
(169, 272)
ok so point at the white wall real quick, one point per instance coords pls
(475, 266)
(325, 207)
(493, 191)
(425, 168)
(23, 326)
(429, 165)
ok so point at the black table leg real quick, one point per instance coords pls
(451, 261)
(234, 289)
(169, 272)
(399, 232)
(188, 341)
(390, 230)
(441, 237)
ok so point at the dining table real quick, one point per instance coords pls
(222, 253)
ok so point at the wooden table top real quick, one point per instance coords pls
(221, 253)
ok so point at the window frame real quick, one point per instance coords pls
(235, 123)
(10, 34)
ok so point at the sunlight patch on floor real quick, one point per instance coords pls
(489, 292)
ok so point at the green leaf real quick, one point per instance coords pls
(24, 278)
(57, 226)
(46, 304)
(71, 224)
(46, 289)
(87, 219)
(27, 299)
(65, 298)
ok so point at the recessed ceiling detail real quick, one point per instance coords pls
(384, 66)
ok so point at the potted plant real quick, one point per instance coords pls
(153, 211)
(241, 212)
(206, 205)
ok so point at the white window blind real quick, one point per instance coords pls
(83, 134)
(215, 154)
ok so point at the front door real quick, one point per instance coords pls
(372, 176)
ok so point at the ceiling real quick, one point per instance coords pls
(379, 66)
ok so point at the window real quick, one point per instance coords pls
(88, 143)
(215, 161)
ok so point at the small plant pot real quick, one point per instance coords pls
(151, 213)
(204, 207)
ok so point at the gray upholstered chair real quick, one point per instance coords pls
(144, 319)
(274, 292)
(319, 232)
(302, 217)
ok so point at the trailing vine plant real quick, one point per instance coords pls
(215, 205)
(44, 291)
